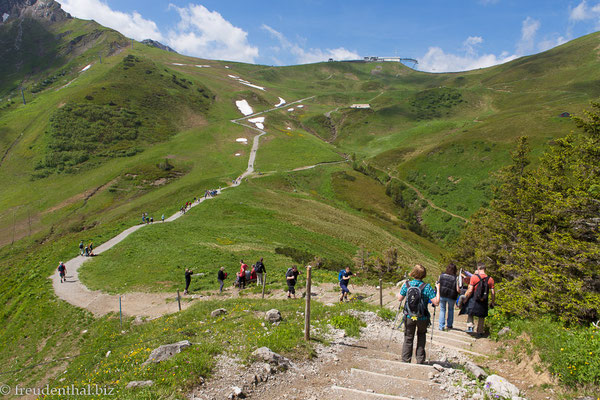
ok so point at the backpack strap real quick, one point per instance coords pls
(422, 286)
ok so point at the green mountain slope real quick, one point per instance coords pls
(145, 130)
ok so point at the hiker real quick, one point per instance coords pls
(143, 218)
(291, 277)
(62, 272)
(253, 274)
(151, 220)
(86, 251)
(481, 288)
(188, 279)
(243, 269)
(344, 278)
(221, 276)
(91, 247)
(163, 218)
(448, 283)
(260, 270)
(416, 315)
(81, 246)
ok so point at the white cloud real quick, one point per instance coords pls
(129, 24)
(207, 34)
(585, 12)
(304, 56)
(529, 29)
(550, 43)
(436, 60)
(471, 42)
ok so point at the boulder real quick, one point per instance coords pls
(475, 370)
(498, 385)
(166, 351)
(237, 393)
(218, 311)
(138, 384)
(504, 331)
(265, 354)
(273, 316)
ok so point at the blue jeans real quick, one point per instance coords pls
(450, 303)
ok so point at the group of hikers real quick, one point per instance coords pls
(473, 293)
(87, 251)
(150, 220)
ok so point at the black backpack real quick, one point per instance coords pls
(482, 290)
(414, 307)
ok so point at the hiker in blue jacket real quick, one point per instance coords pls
(344, 278)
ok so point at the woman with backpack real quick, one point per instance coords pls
(448, 284)
(416, 315)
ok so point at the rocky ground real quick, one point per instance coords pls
(370, 368)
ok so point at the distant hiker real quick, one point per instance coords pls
(163, 218)
(143, 218)
(151, 220)
(221, 276)
(291, 277)
(416, 315)
(344, 278)
(188, 279)
(91, 247)
(448, 283)
(62, 272)
(243, 269)
(253, 273)
(481, 288)
(81, 246)
(463, 286)
(260, 270)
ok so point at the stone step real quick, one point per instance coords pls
(394, 368)
(457, 348)
(344, 393)
(393, 385)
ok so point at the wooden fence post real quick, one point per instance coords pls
(264, 280)
(307, 309)
(380, 293)
(120, 313)
(178, 299)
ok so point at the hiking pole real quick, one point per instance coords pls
(432, 324)
(394, 325)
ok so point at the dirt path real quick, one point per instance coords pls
(431, 204)
(137, 303)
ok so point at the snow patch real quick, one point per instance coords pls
(241, 140)
(178, 64)
(300, 106)
(203, 66)
(86, 68)
(5, 17)
(258, 121)
(290, 109)
(227, 66)
(244, 107)
(244, 82)
(237, 154)
(281, 102)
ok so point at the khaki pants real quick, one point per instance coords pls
(410, 328)
(480, 323)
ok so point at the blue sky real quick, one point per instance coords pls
(443, 35)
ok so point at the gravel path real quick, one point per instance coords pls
(137, 303)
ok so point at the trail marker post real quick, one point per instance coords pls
(380, 293)
(178, 299)
(120, 313)
(307, 309)
(264, 280)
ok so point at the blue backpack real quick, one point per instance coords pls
(341, 274)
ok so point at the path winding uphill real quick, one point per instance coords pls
(137, 303)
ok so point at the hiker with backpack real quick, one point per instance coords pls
(291, 277)
(221, 276)
(481, 289)
(260, 270)
(448, 284)
(344, 278)
(81, 246)
(242, 276)
(62, 272)
(416, 315)
(188, 279)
